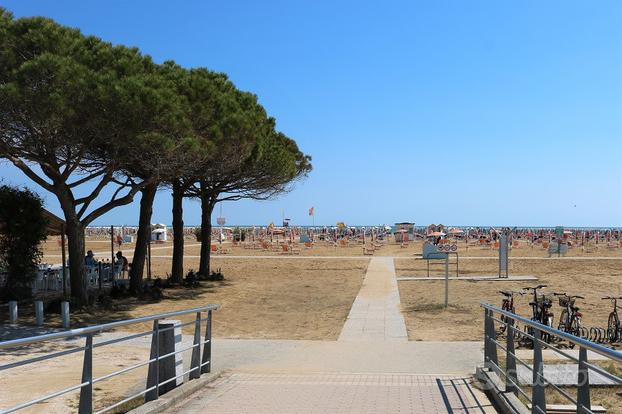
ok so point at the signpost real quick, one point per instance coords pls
(503, 255)
(559, 233)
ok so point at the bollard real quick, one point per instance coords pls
(64, 309)
(39, 312)
(12, 311)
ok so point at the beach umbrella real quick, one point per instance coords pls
(455, 231)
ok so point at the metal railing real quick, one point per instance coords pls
(200, 362)
(534, 333)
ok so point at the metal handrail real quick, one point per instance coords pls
(592, 346)
(200, 361)
(102, 327)
(509, 373)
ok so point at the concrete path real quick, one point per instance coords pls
(471, 278)
(561, 374)
(336, 393)
(375, 314)
(281, 356)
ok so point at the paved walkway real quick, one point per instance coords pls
(336, 393)
(372, 368)
(375, 314)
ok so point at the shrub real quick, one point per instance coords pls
(22, 229)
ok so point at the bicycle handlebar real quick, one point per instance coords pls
(535, 288)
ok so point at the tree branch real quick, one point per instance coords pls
(30, 173)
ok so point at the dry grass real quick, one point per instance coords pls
(284, 299)
(463, 320)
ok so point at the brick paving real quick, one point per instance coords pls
(375, 314)
(336, 393)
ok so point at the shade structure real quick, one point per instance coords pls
(455, 231)
(55, 224)
(436, 234)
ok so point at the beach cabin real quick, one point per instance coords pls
(158, 233)
(404, 232)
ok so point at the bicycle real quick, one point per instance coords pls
(540, 308)
(570, 317)
(613, 322)
(508, 305)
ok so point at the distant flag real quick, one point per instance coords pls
(312, 211)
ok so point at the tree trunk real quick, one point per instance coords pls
(207, 206)
(177, 269)
(77, 267)
(142, 238)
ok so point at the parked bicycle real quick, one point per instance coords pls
(614, 333)
(541, 310)
(570, 317)
(507, 304)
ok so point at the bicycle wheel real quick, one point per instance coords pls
(613, 326)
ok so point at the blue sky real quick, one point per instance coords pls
(460, 112)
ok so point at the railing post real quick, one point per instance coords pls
(510, 358)
(206, 361)
(195, 361)
(153, 373)
(490, 348)
(86, 392)
(538, 399)
(583, 393)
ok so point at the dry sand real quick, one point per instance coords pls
(427, 320)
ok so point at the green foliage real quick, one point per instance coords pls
(22, 229)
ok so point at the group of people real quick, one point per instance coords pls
(120, 260)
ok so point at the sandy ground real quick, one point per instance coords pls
(301, 299)
(427, 320)
(276, 299)
(66, 372)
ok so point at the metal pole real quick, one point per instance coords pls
(446, 280)
(583, 393)
(510, 359)
(195, 360)
(149, 258)
(86, 392)
(206, 360)
(64, 259)
(112, 250)
(538, 398)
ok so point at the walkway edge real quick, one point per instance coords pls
(179, 394)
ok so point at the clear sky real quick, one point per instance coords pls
(458, 112)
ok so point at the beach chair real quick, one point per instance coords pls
(286, 249)
(214, 249)
(308, 245)
(265, 246)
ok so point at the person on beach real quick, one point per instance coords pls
(122, 261)
(89, 259)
